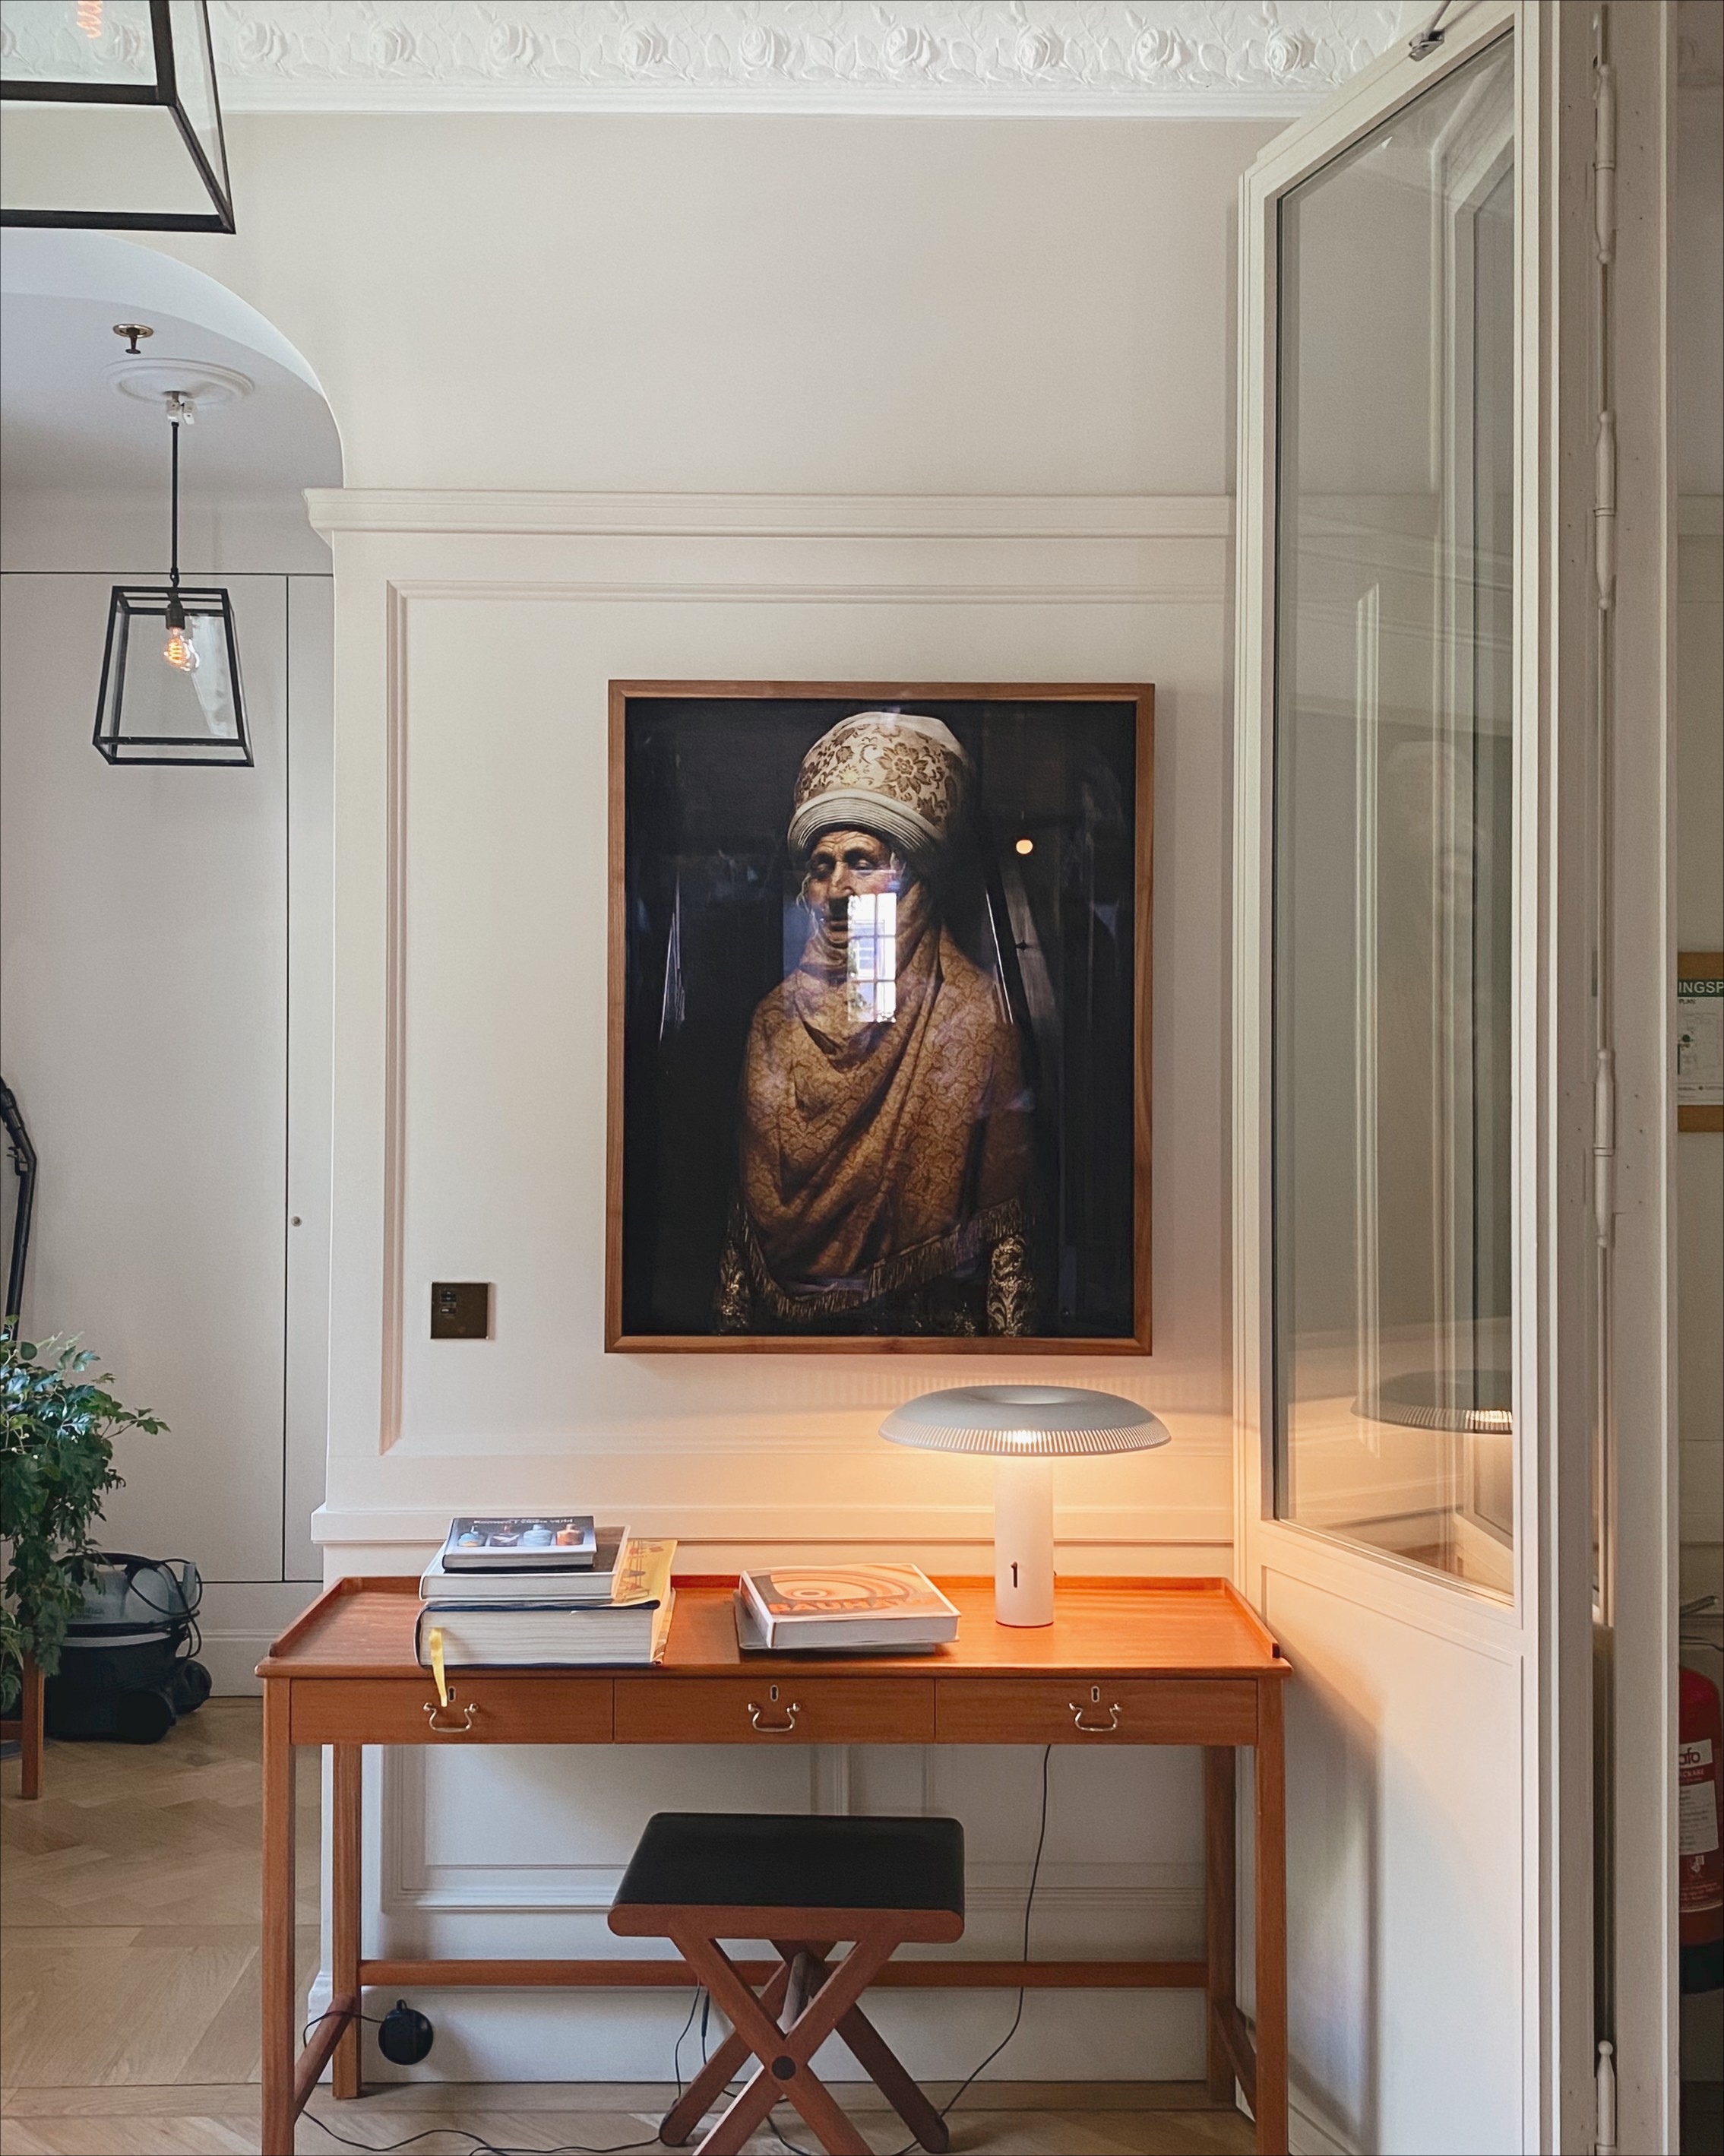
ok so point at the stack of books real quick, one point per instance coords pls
(550, 1593)
(842, 1608)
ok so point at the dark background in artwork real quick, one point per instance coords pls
(708, 882)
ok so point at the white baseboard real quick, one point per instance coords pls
(1308, 2135)
(238, 1621)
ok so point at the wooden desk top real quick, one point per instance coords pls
(1119, 1628)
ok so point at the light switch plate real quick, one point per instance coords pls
(460, 1310)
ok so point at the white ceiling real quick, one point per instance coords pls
(63, 425)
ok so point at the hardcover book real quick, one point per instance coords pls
(607, 1580)
(561, 1634)
(533, 1542)
(843, 1605)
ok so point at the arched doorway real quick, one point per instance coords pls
(164, 931)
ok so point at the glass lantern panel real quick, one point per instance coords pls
(154, 711)
(79, 41)
(194, 70)
(82, 160)
(119, 165)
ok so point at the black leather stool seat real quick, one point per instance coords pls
(790, 1862)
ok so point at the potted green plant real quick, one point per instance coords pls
(57, 1431)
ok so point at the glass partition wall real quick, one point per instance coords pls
(1393, 781)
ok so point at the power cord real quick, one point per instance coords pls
(702, 2003)
(477, 2143)
(952, 2102)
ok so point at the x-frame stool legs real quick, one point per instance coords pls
(784, 2055)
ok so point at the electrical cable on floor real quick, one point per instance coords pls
(950, 2103)
(479, 2146)
(477, 2143)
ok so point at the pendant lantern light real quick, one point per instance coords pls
(110, 120)
(170, 691)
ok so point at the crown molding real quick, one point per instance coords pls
(1197, 58)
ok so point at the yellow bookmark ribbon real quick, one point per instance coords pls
(434, 1641)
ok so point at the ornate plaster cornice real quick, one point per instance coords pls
(1202, 58)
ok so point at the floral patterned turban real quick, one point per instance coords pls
(893, 772)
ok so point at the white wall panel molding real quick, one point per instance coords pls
(1479, 1623)
(416, 1878)
(413, 567)
(476, 633)
(1202, 58)
(1163, 1899)
(769, 516)
(922, 592)
(343, 1532)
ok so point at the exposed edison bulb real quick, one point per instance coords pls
(1023, 846)
(178, 651)
(90, 17)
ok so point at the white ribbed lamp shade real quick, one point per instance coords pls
(1024, 1427)
(1020, 1420)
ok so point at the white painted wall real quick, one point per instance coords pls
(822, 314)
(494, 1110)
(149, 922)
(164, 934)
(760, 304)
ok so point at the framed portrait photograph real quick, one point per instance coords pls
(879, 997)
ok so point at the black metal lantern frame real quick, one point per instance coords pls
(152, 651)
(138, 617)
(168, 89)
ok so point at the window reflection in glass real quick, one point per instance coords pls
(1394, 732)
(872, 965)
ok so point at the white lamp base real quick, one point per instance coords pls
(1023, 1540)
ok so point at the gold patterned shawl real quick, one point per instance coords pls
(876, 1157)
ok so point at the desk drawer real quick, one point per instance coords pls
(509, 1707)
(1095, 1711)
(779, 1708)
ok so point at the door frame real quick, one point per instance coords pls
(1562, 831)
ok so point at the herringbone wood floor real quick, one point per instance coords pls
(129, 1999)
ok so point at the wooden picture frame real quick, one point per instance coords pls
(1111, 724)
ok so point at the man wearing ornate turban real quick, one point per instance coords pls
(884, 1160)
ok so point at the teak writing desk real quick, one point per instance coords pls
(1126, 1661)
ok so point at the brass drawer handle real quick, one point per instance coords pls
(1094, 1728)
(434, 1708)
(792, 1708)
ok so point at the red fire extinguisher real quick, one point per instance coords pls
(1700, 1799)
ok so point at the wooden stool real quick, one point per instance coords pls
(803, 1884)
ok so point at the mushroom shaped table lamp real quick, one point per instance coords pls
(1024, 1427)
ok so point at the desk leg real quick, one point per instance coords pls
(344, 1912)
(1271, 2090)
(1220, 1864)
(278, 1931)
